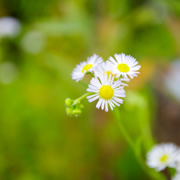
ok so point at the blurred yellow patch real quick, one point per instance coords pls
(164, 158)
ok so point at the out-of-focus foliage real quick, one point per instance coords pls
(37, 139)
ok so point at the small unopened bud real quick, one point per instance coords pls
(69, 111)
(77, 112)
(74, 107)
(68, 102)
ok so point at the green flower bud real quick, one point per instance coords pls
(76, 112)
(68, 102)
(79, 106)
(69, 111)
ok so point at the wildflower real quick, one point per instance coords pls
(86, 66)
(108, 91)
(124, 65)
(162, 156)
(106, 86)
(104, 69)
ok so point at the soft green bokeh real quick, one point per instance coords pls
(38, 141)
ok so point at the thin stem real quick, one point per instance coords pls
(90, 74)
(123, 131)
(76, 101)
(84, 84)
(135, 151)
(84, 95)
(167, 173)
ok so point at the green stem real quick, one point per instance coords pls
(84, 95)
(130, 141)
(84, 84)
(121, 127)
(90, 74)
(76, 101)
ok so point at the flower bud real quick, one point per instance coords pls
(69, 111)
(76, 112)
(68, 102)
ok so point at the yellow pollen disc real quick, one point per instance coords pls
(87, 67)
(164, 158)
(123, 67)
(109, 73)
(106, 92)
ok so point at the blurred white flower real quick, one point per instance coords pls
(172, 80)
(124, 65)
(9, 27)
(177, 165)
(108, 91)
(176, 177)
(162, 156)
(33, 42)
(86, 66)
(8, 72)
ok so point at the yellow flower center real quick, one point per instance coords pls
(106, 92)
(87, 67)
(164, 158)
(109, 73)
(123, 67)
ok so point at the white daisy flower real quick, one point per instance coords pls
(176, 177)
(108, 91)
(86, 66)
(162, 156)
(124, 65)
(105, 68)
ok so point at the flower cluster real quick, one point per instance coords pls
(108, 78)
(165, 156)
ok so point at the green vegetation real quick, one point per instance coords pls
(38, 141)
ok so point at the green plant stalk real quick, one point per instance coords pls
(78, 100)
(130, 142)
(145, 128)
(84, 84)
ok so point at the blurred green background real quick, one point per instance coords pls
(46, 40)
